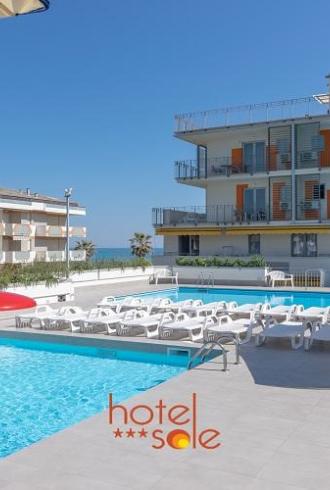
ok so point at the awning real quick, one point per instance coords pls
(10, 8)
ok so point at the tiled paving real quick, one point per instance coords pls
(272, 411)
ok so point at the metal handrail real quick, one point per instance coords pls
(209, 345)
(249, 113)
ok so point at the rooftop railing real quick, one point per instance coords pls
(250, 113)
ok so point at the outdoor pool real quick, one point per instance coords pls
(46, 387)
(242, 296)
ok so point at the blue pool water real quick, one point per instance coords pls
(46, 387)
(242, 296)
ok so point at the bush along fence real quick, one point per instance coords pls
(255, 261)
(51, 273)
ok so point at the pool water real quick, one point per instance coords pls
(47, 387)
(242, 296)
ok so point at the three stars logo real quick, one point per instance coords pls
(130, 433)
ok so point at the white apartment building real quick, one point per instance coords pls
(265, 169)
(33, 227)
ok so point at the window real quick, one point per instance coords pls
(254, 244)
(318, 191)
(304, 245)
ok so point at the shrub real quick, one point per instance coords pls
(52, 272)
(255, 261)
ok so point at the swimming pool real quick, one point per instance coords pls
(46, 387)
(242, 296)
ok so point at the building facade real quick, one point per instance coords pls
(265, 169)
(33, 227)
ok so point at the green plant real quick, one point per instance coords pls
(255, 261)
(140, 244)
(51, 273)
(86, 245)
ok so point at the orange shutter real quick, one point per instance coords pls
(272, 157)
(309, 190)
(278, 213)
(240, 188)
(328, 204)
(325, 154)
(237, 158)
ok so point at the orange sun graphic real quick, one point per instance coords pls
(178, 439)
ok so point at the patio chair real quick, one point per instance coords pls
(281, 313)
(315, 314)
(280, 277)
(249, 310)
(208, 309)
(166, 274)
(62, 320)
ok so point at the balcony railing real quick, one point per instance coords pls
(251, 113)
(52, 231)
(226, 166)
(26, 257)
(222, 214)
(308, 209)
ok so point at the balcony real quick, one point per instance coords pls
(23, 257)
(307, 209)
(17, 230)
(225, 166)
(50, 231)
(303, 107)
(222, 214)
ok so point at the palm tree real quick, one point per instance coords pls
(140, 244)
(86, 245)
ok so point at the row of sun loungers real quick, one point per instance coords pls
(161, 318)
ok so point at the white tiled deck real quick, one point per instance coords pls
(272, 410)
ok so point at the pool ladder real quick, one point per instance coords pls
(206, 280)
(210, 345)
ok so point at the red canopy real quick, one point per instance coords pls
(11, 301)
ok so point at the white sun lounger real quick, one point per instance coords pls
(62, 320)
(281, 313)
(185, 326)
(225, 326)
(27, 319)
(207, 309)
(320, 332)
(251, 311)
(118, 306)
(315, 314)
(146, 324)
(291, 330)
(106, 322)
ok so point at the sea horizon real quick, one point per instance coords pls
(102, 253)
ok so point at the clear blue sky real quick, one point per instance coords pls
(89, 90)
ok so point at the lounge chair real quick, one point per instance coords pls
(315, 314)
(146, 324)
(120, 305)
(178, 306)
(320, 332)
(27, 319)
(62, 320)
(107, 321)
(185, 326)
(280, 277)
(292, 330)
(251, 311)
(281, 313)
(225, 326)
(208, 309)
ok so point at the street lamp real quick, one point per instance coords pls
(11, 8)
(67, 195)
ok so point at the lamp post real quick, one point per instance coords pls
(11, 8)
(67, 195)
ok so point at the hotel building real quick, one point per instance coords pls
(33, 227)
(265, 169)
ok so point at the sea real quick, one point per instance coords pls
(119, 253)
